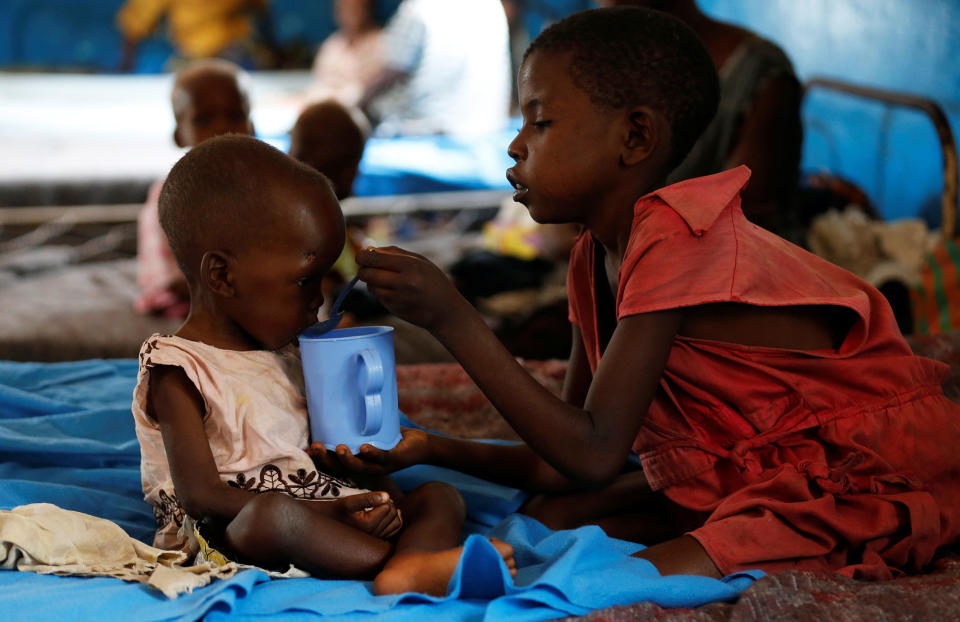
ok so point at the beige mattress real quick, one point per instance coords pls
(86, 311)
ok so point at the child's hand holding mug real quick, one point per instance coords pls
(412, 449)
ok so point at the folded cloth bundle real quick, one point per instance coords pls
(43, 538)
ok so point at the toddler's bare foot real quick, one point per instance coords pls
(429, 572)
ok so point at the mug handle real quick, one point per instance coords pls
(372, 399)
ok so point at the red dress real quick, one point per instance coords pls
(845, 460)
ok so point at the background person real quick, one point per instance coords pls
(198, 28)
(351, 58)
(447, 70)
(209, 98)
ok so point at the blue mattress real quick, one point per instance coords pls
(67, 437)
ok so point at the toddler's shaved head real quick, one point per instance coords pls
(228, 192)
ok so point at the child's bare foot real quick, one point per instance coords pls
(506, 552)
(429, 572)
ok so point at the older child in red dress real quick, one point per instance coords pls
(780, 418)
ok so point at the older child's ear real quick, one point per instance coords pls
(215, 273)
(644, 133)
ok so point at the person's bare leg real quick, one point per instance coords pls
(274, 530)
(629, 492)
(427, 550)
(648, 527)
(626, 509)
(682, 555)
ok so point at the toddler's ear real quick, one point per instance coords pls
(215, 273)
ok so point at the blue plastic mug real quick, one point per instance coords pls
(351, 382)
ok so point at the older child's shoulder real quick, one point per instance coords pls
(697, 202)
(688, 224)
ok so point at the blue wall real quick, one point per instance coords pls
(902, 45)
(911, 46)
(80, 35)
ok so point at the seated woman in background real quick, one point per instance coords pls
(758, 120)
(352, 57)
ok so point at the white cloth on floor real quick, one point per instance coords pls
(47, 539)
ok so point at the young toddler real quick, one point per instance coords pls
(779, 417)
(209, 98)
(219, 407)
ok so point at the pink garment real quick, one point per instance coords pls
(343, 69)
(157, 269)
(256, 423)
(839, 459)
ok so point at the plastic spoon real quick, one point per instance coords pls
(335, 314)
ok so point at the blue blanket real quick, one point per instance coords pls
(67, 437)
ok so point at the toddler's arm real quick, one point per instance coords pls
(587, 443)
(178, 409)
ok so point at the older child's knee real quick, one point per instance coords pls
(556, 512)
(437, 496)
(683, 555)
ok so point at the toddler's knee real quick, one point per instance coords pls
(264, 514)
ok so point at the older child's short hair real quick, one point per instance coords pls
(628, 56)
(225, 191)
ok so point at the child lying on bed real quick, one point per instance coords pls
(780, 418)
(219, 407)
(209, 98)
